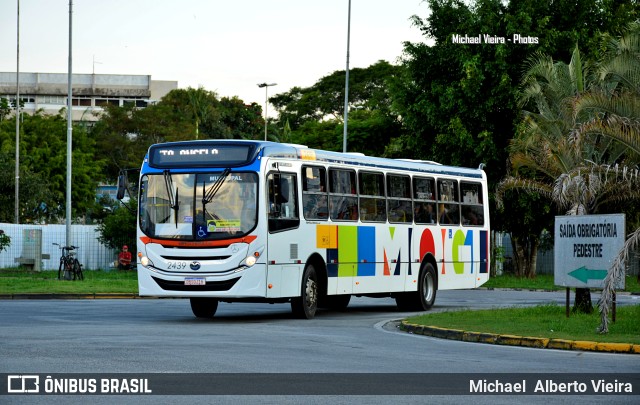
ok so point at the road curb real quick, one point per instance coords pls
(514, 340)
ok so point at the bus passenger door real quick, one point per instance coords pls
(284, 270)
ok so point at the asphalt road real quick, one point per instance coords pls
(162, 336)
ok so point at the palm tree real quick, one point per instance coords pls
(569, 167)
(200, 105)
(540, 153)
(615, 115)
(541, 148)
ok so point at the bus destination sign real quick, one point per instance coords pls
(208, 154)
(585, 247)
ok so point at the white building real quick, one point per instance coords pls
(90, 92)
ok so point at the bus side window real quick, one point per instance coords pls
(314, 193)
(472, 204)
(448, 202)
(399, 199)
(343, 198)
(424, 195)
(373, 205)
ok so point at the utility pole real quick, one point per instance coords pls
(346, 85)
(17, 202)
(69, 129)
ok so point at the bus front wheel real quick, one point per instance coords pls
(428, 287)
(306, 304)
(204, 307)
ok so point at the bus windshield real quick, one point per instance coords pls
(193, 207)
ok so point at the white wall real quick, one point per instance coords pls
(91, 253)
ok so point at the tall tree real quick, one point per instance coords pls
(124, 134)
(368, 90)
(5, 108)
(35, 195)
(239, 120)
(458, 102)
(315, 115)
(199, 106)
(575, 175)
(43, 151)
(614, 109)
(541, 152)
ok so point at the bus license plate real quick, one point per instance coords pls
(194, 281)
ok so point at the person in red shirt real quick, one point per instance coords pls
(124, 258)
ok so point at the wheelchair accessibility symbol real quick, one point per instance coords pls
(202, 232)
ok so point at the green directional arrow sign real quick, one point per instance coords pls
(584, 274)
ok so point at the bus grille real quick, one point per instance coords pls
(209, 286)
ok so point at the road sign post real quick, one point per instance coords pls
(585, 247)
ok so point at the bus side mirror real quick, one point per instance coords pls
(122, 186)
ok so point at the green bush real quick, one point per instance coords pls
(5, 241)
(119, 227)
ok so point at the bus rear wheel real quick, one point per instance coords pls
(204, 307)
(306, 304)
(424, 298)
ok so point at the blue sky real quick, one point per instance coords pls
(227, 46)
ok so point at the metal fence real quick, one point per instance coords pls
(27, 239)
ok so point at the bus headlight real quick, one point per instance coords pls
(250, 261)
(144, 260)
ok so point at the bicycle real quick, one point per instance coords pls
(69, 268)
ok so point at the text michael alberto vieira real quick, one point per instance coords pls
(494, 39)
(593, 386)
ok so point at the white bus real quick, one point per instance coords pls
(253, 221)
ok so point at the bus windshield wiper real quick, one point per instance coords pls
(173, 199)
(207, 196)
(215, 187)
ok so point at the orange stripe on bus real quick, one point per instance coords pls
(204, 243)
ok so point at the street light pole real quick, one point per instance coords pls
(69, 129)
(346, 85)
(17, 185)
(266, 103)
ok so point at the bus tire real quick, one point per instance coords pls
(203, 307)
(427, 287)
(306, 304)
(424, 298)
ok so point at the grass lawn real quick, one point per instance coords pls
(548, 321)
(544, 282)
(545, 321)
(17, 281)
(20, 281)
